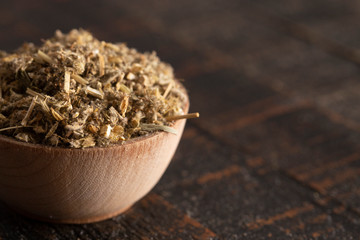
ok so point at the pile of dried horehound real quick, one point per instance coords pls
(76, 91)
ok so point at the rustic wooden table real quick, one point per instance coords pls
(275, 153)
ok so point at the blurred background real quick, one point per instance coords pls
(275, 153)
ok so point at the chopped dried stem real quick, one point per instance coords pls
(11, 128)
(67, 82)
(124, 105)
(56, 115)
(94, 92)
(168, 89)
(29, 111)
(43, 105)
(185, 116)
(101, 65)
(52, 130)
(79, 79)
(111, 79)
(34, 94)
(124, 89)
(74, 127)
(154, 127)
(45, 57)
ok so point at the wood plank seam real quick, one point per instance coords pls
(290, 213)
(218, 175)
(321, 169)
(207, 234)
(323, 199)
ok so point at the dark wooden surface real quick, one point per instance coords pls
(275, 154)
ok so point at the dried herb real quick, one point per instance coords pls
(76, 91)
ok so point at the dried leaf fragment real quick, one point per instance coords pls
(52, 130)
(93, 129)
(136, 67)
(44, 106)
(105, 131)
(130, 76)
(94, 92)
(114, 115)
(124, 88)
(56, 115)
(79, 79)
(153, 127)
(75, 115)
(23, 137)
(88, 142)
(124, 105)
(54, 140)
(117, 134)
(112, 78)
(73, 127)
(119, 130)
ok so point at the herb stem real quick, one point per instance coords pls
(185, 116)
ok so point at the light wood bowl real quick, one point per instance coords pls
(65, 185)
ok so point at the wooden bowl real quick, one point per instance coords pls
(67, 185)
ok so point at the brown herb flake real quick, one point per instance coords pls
(29, 111)
(101, 65)
(10, 128)
(105, 131)
(124, 105)
(52, 130)
(168, 89)
(123, 88)
(88, 142)
(93, 129)
(79, 79)
(56, 115)
(44, 106)
(67, 82)
(154, 127)
(44, 57)
(130, 76)
(76, 91)
(185, 116)
(23, 137)
(34, 94)
(94, 92)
